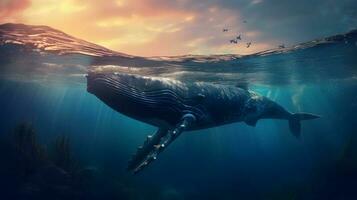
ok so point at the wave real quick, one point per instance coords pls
(42, 51)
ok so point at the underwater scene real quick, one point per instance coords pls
(81, 121)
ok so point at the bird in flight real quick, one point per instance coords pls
(239, 37)
(233, 41)
(225, 30)
(248, 44)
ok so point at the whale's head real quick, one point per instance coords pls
(139, 97)
(122, 92)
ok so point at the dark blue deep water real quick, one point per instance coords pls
(234, 161)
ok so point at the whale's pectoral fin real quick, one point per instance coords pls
(146, 148)
(157, 143)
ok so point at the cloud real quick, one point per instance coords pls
(161, 27)
(12, 7)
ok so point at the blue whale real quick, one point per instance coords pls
(175, 107)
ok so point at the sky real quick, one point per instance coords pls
(177, 27)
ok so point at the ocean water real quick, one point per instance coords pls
(233, 161)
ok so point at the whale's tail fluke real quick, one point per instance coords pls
(294, 121)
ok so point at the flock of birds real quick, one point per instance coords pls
(239, 38)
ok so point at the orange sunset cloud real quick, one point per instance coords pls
(145, 28)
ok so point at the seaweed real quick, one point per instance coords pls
(29, 152)
(26, 142)
(62, 155)
(32, 170)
